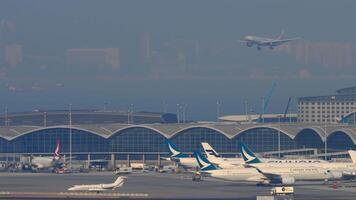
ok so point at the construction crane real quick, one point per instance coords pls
(265, 102)
(287, 108)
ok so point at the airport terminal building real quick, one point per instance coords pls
(123, 141)
(334, 108)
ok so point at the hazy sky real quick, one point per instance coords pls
(225, 70)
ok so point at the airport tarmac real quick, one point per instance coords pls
(165, 186)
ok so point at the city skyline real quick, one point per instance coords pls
(191, 56)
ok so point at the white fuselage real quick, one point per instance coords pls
(250, 174)
(42, 162)
(96, 187)
(233, 162)
(188, 162)
(239, 174)
(342, 168)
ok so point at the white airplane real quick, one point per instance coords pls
(181, 158)
(286, 174)
(267, 42)
(216, 159)
(46, 162)
(335, 170)
(99, 187)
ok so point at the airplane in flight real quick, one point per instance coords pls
(46, 162)
(119, 182)
(179, 157)
(260, 42)
(337, 170)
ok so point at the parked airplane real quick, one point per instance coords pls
(99, 187)
(268, 42)
(285, 174)
(181, 158)
(239, 173)
(336, 170)
(215, 158)
(46, 162)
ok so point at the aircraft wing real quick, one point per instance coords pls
(96, 189)
(270, 176)
(279, 42)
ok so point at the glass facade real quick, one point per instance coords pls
(264, 139)
(340, 141)
(44, 141)
(190, 140)
(350, 119)
(140, 140)
(137, 140)
(308, 138)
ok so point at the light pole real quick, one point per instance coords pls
(44, 119)
(5, 121)
(263, 110)
(218, 104)
(178, 113)
(70, 136)
(279, 136)
(164, 106)
(132, 113)
(105, 106)
(184, 111)
(128, 116)
(325, 138)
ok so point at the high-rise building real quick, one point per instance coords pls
(145, 47)
(13, 54)
(94, 57)
(327, 108)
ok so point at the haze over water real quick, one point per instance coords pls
(177, 52)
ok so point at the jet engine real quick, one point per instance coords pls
(284, 180)
(335, 175)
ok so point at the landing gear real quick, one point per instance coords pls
(249, 44)
(271, 47)
(259, 47)
(196, 176)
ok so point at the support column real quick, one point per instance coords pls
(159, 160)
(128, 160)
(88, 161)
(113, 161)
(143, 158)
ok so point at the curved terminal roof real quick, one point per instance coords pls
(230, 130)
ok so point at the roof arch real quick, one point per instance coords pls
(55, 127)
(265, 126)
(350, 133)
(316, 130)
(200, 126)
(118, 131)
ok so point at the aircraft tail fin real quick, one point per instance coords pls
(119, 181)
(352, 154)
(57, 154)
(248, 156)
(281, 35)
(175, 152)
(204, 163)
(209, 151)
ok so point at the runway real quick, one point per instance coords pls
(164, 186)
